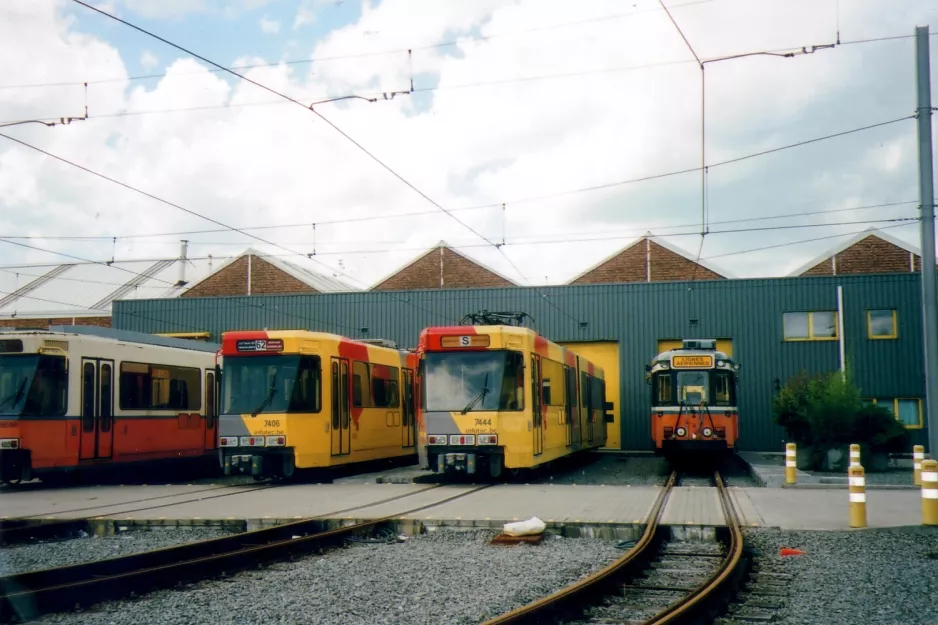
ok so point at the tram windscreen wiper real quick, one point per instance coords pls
(268, 399)
(15, 397)
(479, 397)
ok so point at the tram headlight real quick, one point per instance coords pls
(707, 432)
(680, 431)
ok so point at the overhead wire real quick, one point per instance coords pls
(172, 204)
(445, 44)
(361, 147)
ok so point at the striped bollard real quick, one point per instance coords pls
(854, 455)
(857, 490)
(791, 463)
(918, 455)
(930, 492)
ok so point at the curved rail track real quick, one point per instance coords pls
(27, 595)
(24, 529)
(611, 595)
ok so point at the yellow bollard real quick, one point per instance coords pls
(930, 492)
(918, 455)
(854, 455)
(791, 463)
(857, 490)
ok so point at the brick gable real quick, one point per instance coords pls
(101, 322)
(266, 279)
(646, 261)
(869, 255)
(441, 268)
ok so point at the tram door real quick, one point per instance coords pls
(341, 432)
(537, 417)
(211, 413)
(409, 422)
(97, 408)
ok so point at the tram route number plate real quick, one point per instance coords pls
(691, 361)
(260, 345)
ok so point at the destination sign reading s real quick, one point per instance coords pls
(471, 340)
(691, 362)
(260, 345)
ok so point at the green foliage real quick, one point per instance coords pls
(825, 411)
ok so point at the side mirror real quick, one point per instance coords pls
(648, 368)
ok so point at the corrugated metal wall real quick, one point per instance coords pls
(636, 315)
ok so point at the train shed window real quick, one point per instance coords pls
(881, 324)
(159, 387)
(810, 326)
(906, 410)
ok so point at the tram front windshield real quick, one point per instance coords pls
(693, 387)
(264, 384)
(473, 381)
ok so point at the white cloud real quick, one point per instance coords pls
(463, 146)
(148, 60)
(270, 27)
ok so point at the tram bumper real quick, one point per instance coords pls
(446, 459)
(258, 462)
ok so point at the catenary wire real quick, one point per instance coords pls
(444, 44)
(336, 299)
(655, 228)
(332, 125)
(174, 205)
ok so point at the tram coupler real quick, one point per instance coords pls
(244, 463)
(458, 462)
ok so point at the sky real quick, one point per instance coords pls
(531, 135)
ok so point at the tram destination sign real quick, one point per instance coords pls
(692, 362)
(260, 345)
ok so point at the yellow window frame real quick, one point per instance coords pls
(895, 410)
(869, 325)
(811, 336)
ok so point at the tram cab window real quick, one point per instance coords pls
(266, 384)
(693, 387)
(724, 393)
(473, 381)
(33, 385)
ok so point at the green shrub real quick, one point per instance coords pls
(825, 411)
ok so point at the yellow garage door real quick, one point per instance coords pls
(723, 345)
(606, 355)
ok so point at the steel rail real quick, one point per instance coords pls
(27, 595)
(541, 610)
(688, 605)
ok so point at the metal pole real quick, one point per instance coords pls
(927, 197)
(840, 331)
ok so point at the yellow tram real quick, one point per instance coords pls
(506, 398)
(297, 399)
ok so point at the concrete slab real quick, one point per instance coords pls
(826, 509)
(106, 500)
(550, 503)
(692, 505)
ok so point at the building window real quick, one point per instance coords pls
(810, 326)
(908, 411)
(881, 324)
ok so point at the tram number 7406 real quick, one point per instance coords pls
(271, 423)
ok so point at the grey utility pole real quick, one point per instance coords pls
(927, 197)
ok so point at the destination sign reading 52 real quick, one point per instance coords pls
(687, 362)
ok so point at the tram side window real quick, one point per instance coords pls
(597, 393)
(584, 390)
(663, 389)
(553, 383)
(571, 388)
(385, 383)
(307, 395)
(361, 384)
(723, 389)
(48, 393)
(159, 387)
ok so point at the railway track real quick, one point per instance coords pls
(18, 530)
(27, 595)
(657, 582)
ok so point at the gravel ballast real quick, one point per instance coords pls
(446, 576)
(32, 557)
(874, 577)
(610, 469)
